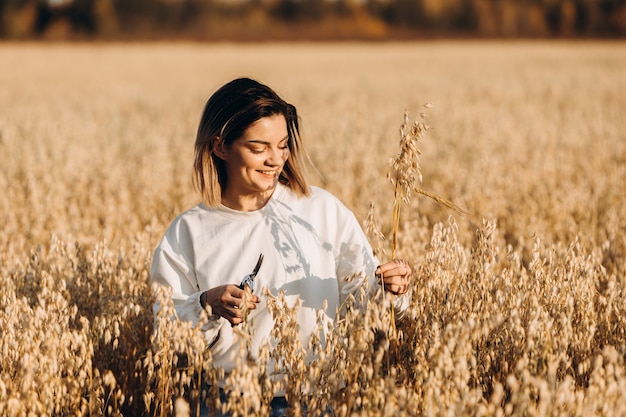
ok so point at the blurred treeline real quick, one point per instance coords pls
(309, 19)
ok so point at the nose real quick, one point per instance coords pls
(277, 156)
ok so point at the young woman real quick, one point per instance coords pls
(258, 214)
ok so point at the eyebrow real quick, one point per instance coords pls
(264, 142)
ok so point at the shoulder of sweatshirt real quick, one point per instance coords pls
(321, 208)
(318, 197)
(186, 221)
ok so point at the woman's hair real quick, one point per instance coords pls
(227, 114)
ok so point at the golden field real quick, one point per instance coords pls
(518, 309)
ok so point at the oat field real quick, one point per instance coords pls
(518, 309)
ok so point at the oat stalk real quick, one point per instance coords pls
(376, 236)
(444, 203)
(405, 170)
(406, 174)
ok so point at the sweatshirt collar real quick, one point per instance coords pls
(233, 214)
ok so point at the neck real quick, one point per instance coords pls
(246, 202)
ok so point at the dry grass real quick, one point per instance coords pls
(522, 314)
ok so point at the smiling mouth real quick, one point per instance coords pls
(269, 173)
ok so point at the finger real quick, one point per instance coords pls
(241, 294)
(237, 315)
(399, 271)
(397, 289)
(238, 307)
(395, 280)
(397, 264)
(395, 276)
(397, 285)
(234, 321)
(233, 315)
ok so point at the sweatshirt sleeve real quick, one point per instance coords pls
(356, 265)
(173, 267)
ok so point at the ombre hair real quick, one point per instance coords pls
(227, 114)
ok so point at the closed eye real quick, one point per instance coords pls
(258, 147)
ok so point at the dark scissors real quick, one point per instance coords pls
(248, 280)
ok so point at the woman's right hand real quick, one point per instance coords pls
(228, 301)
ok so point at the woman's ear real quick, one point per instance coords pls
(218, 147)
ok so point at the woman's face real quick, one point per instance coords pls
(254, 163)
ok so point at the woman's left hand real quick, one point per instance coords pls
(395, 276)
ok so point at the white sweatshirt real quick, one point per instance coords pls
(309, 244)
